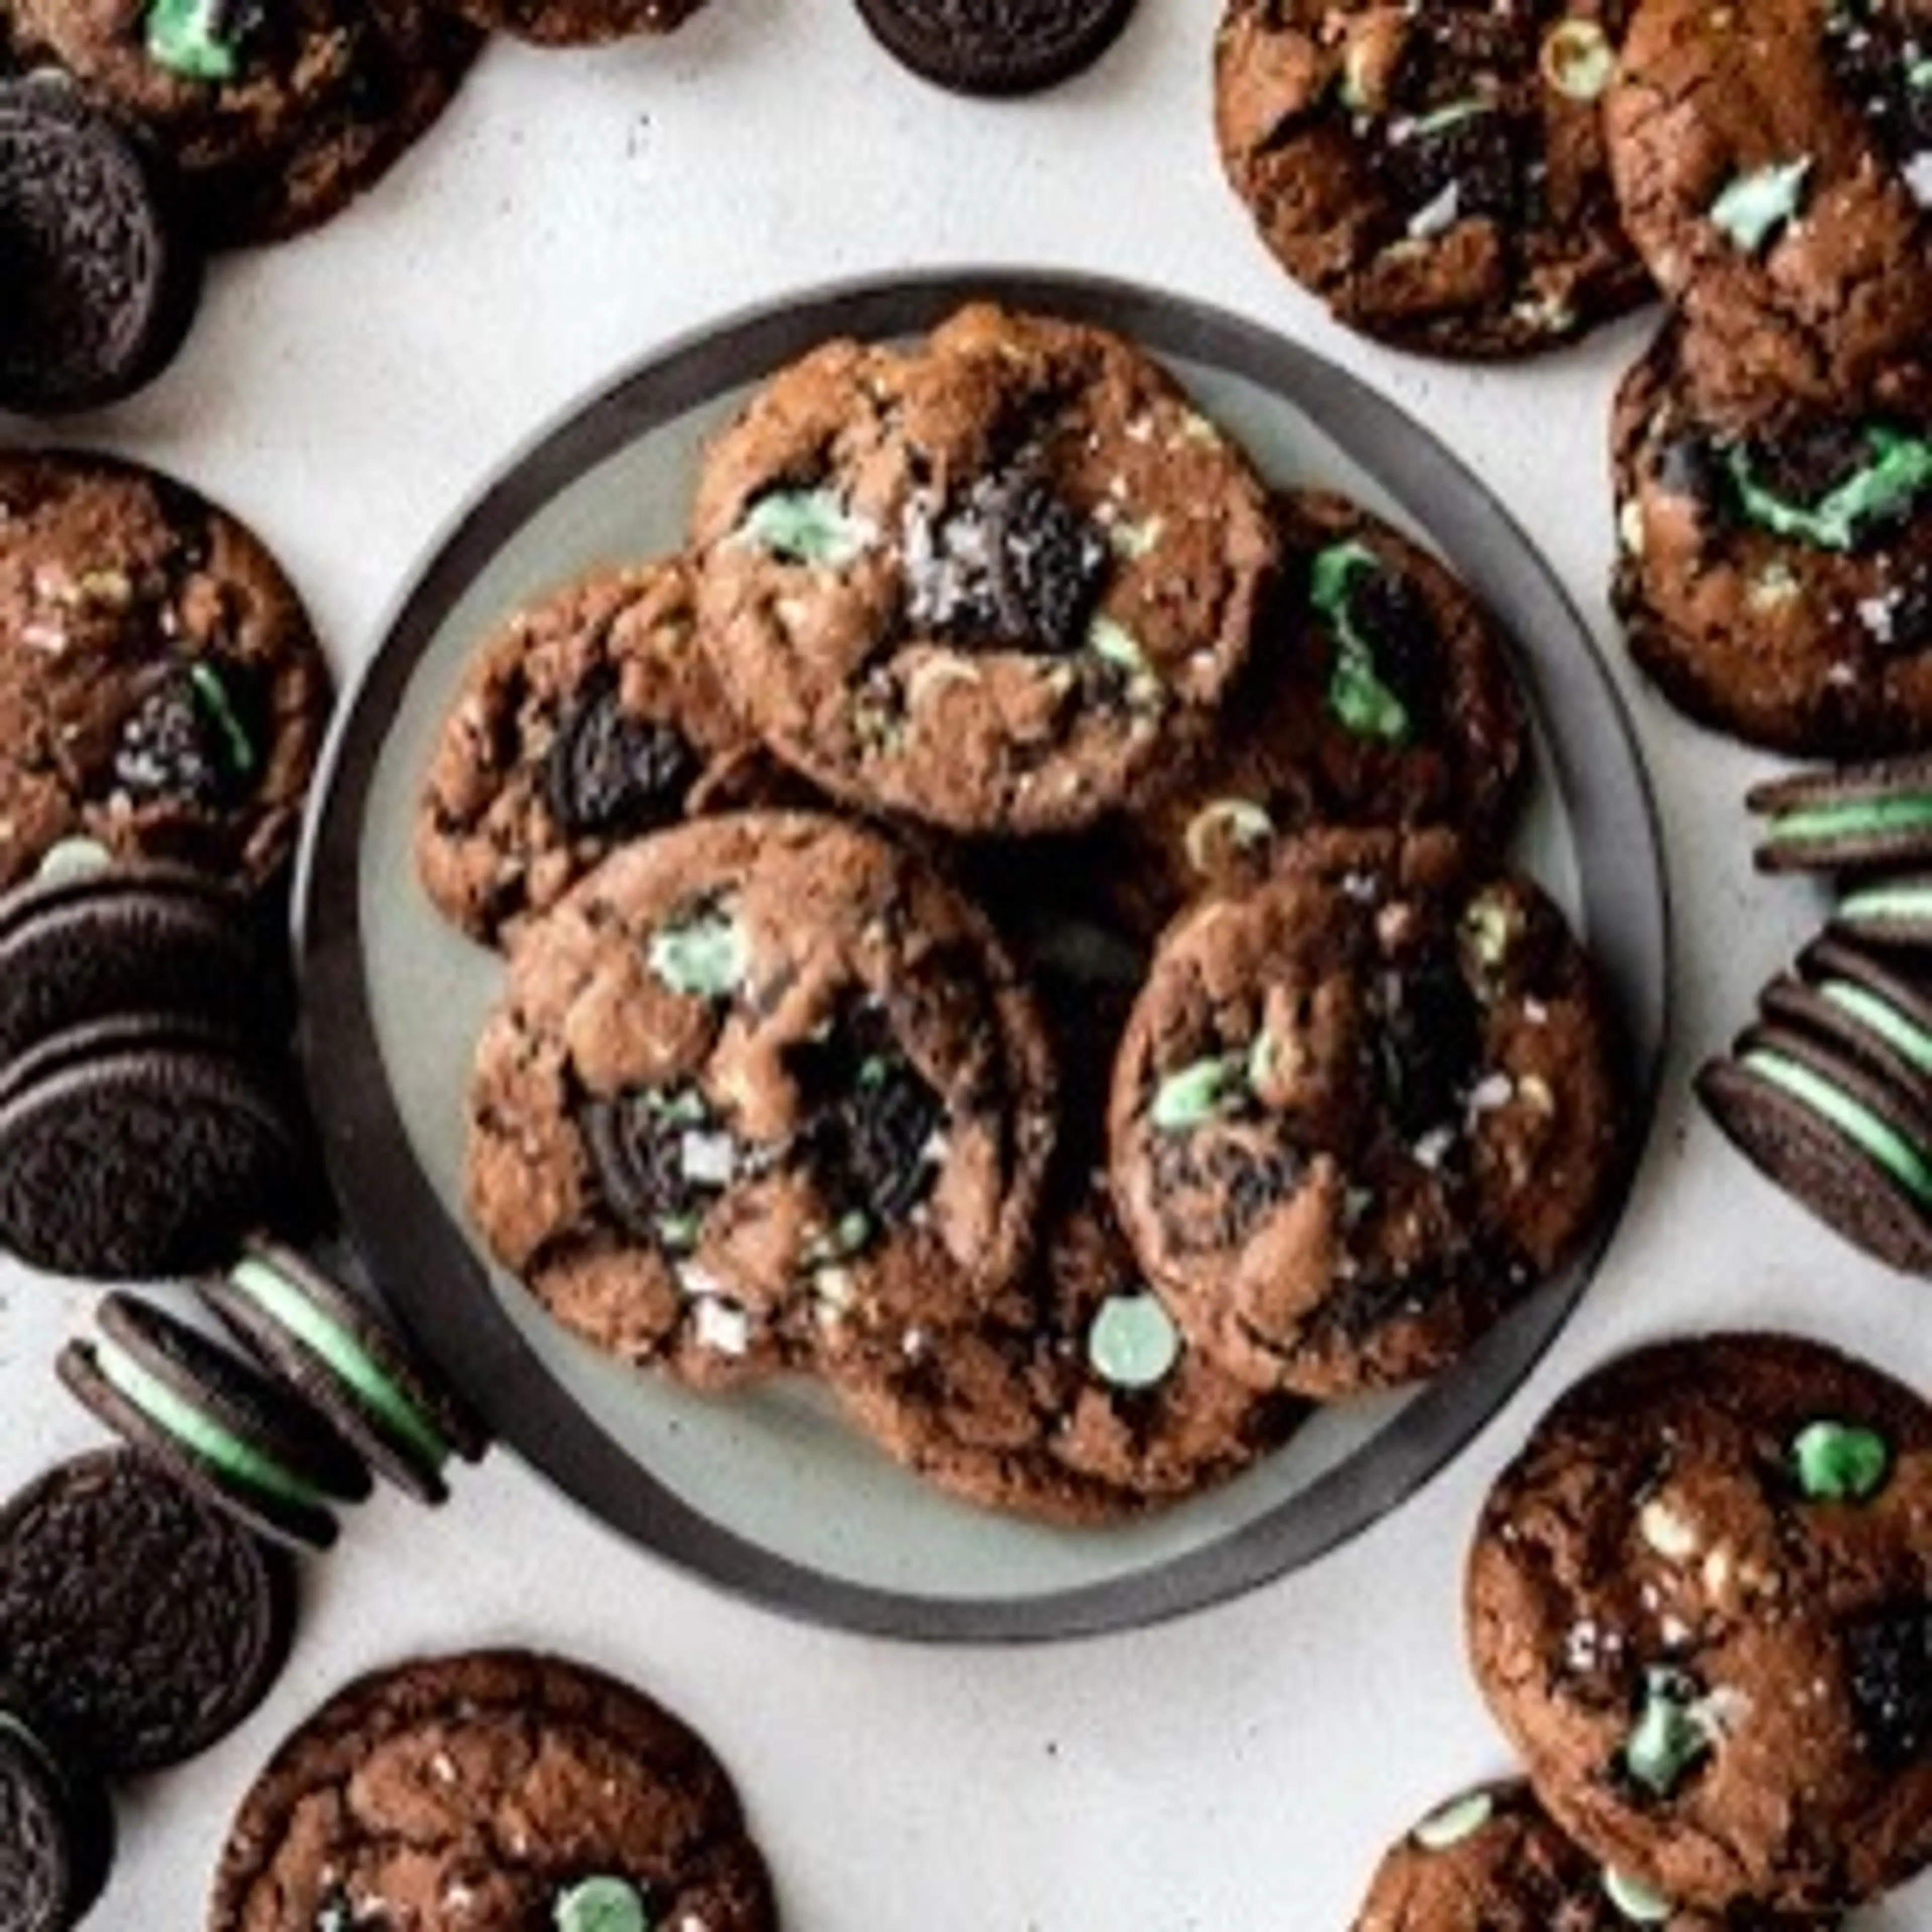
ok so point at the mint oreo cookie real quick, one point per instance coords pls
(1854, 818)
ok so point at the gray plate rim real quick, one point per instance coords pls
(424, 1264)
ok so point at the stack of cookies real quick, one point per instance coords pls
(1012, 921)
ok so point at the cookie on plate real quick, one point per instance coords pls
(1775, 581)
(1002, 580)
(1492, 1860)
(588, 717)
(214, 1421)
(1848, 1142)
(1379, 692)
(1699, 1602)
(758, 1088)
(102, 284)
(1435, 174)
(274, 117)
(992, 47)
(1361, 1111)
(56, 1826)
(1773, 163)
(576, 23)
(141, 1622)
(498, 1788)
(162, 692)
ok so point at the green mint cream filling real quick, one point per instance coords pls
(1885, 1145)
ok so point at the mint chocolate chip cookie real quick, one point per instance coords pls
(1362, 1110)
(1772, 163)
(1002, 580)
(1775, 575)
(499, 1788)
(275, 116)
(161, 692)
(1699, 1602)
(759, 1088)
(1435, 174)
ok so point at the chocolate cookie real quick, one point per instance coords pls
(1002, 580)
(102, 285)
(1492, 1860)
(1379, 693)
(1435, 174)
(1362, 1111)
(1776, 582)
(143, 1621)
(275, 117)
(996, 47)
(759, 1087)
(496, 1789)
(576, 22)
(1774, 162)
(588, 718)
(161, 692)
(1700, 1603)
(142, 1146)
(56, 1828)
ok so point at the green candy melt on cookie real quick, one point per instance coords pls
(1898, 475)
(1636, 1901)
(1754, 206)
(1883, 1142)
(1838, 1462)
(1460, 1819)
(1200, 1092)
(1669, 1738)
(190, 38)
(706, 955)
(601, 1904)
(806, 526)
(1133, 1343)
(1357, 694)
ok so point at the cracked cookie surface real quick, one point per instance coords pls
(495, 1792)
(1699, 1602)
(1362, 1110)
(759, 1088)
(1436, 175)
(1000, 580)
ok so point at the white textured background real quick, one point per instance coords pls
(1241, 1769)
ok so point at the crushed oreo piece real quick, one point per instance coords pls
(191, 737)
(610, 774)
(1888, 1660)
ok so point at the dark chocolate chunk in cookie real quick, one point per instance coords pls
(146, 1623)
(576, 23)
(1436, 175)
(996, 47)
(1697, 1602)
(101, 288)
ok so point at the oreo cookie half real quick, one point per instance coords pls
(56, 1829)
(100, 287)
(995, 47)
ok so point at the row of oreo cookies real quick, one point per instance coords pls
(1829, 1091)
(989, 657)
(1698, 1602)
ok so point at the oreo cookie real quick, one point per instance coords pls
(1853, 818)
(1856, 1001)
(335, 1350)
(136, 1619)
(56, 1829)
(143, 1146)
(86, 940)
(996, 47)
(214, 1422)
(101, 288)
(1853, 1148)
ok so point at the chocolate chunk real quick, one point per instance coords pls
(1392, 615)
(1462, 161)
(1431, 1036)
(1687, 467)
(1888, 1656)
(613, 774)
(650, 1150)
(1806, 466)
(188, 739)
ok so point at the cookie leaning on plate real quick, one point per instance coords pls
(622, 1818)
(759, 1087)
(1002, 580)
(1699, 1602)
(1435, 174)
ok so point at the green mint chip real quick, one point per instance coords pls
(1837, 1462)
(706, 955)
(1133, 1343)
(1200, 1091)
(1754, 206)
(1357, 694)
(1898, 475)
(1669, 1737)
(211, 693)
(1461, 1818)
(1636, 1902)
(601, 1905)
(193, 38)
(806, 526)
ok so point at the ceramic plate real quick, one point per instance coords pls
(765, 1492)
